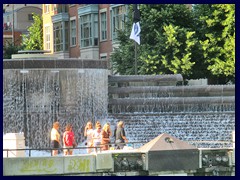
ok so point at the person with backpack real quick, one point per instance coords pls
(68, 140)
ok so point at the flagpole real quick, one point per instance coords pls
(136, 18)
(135, 44)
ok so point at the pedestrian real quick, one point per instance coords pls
(68, 140)
(106, 133)
(55, 138)
(120, 137)
(88, 132)
(97, 137)
(97, 123)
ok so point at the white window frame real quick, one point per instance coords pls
(103, 30)
(118, 16)
(73, 32)
(47, 37)
(103, 56)
(86, 31)
(47, 8)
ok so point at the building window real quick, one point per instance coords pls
(88, 25)
(103, 26)
(86, 35)
(30, 17)
(66, 36)
(58, 39)
(95, 30)
(47, 37)
(62, 8)
(103, 56)
(46, 8)
(118, 19)
(61, 39)
(89, 30)
(73, 32)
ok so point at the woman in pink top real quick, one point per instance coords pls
(68, 140)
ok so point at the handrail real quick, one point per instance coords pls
(62, 148)
(100, 146)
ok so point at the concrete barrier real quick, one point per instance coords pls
(116, 163)
(49, 166)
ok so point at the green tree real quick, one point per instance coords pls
(197, 44)
(9, 50)
(177, 56)
(34, 40)
(167, 40)
(123, 57)
(218, 42)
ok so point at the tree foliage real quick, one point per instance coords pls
(219, 42)
(10, 49)
(197, 43)
(34, 39)
(166, 42)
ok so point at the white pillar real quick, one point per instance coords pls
(14, 141)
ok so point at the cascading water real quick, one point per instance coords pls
(35, 98)
(38, 92)
(150, 105)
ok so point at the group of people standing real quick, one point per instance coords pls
(68, 139)
(101, 137)
(96, 138)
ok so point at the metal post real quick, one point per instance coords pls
(13, 24)
(135, 44)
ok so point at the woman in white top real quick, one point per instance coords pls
(97, 137)
(88, 132)
(55, 138)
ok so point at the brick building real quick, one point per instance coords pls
(16, 19)
(84, 31)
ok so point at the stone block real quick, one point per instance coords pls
(79, 164)
(104, 162)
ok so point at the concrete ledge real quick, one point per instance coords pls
(104, 161)
(145, 78)
(112, 163)
(33, 166)
(33, 56)
(52, 63)
(79, 164)
(49, 166)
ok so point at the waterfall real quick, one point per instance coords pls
(38, 92)
(34, 99)
(203, 115)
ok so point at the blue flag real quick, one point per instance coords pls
(135, 34)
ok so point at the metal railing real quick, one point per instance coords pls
(96, 148)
